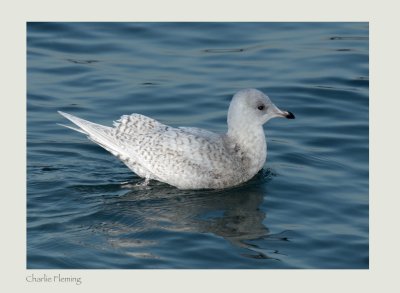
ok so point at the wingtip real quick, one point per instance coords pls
(62, 113)
(68, 116)
(73, 128)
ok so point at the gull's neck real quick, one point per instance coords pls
(250, 139)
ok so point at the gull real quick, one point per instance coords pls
(189, 157)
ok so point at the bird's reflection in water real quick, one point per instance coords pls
(233, 214)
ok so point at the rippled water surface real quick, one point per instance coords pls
(308, 207)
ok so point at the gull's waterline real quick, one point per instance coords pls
(188, 157)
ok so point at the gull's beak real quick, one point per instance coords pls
(288, 115)
(279, 113)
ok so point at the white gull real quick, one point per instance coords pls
(188, 157)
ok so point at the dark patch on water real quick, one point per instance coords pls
(352, 38)
(82, 61)
(224, 50)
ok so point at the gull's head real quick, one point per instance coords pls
(251, 106)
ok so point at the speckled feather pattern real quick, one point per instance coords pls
(186, 157)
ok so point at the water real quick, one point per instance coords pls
(308, 207)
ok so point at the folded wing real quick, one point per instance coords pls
(157, 151)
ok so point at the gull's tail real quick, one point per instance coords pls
(102, 135)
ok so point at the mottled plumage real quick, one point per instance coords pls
(186, 157)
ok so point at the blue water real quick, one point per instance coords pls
(308, 207)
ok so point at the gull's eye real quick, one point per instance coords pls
(261, 107)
